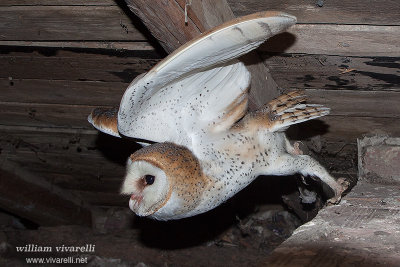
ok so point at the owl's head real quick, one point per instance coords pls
(148, 186)
(164, 181)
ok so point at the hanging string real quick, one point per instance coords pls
(188, 3)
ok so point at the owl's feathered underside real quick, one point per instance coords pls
(195, 101)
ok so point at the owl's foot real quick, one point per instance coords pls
(342, 186)
(296, 148)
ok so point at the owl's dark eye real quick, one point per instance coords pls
(149, 179)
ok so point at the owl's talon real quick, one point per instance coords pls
(297, 150)
(343, 185)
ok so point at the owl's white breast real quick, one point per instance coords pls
(233, 160)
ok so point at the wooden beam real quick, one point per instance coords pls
(376, 12)
(351, 40)
(76, 66)
(33, 198)
(112, 45)
(58, 3)
(66, 23)
(335, 72)
(166, 21)
(338, 28)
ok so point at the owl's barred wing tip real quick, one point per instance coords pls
(105, 120)
(288, 109)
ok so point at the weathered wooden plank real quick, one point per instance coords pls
(335, 72)
(99, 172)
(103, 199)
(291, 71)
(362, 40)
(110, 23)
(93, 166)
(208, 13)
(346, 40)
(166, 22)
(111, 45)
(58, 3)
(52, 138)
(29, 196)
(79, 181)
(85, 183)
(358, 103)
(44, 115)
(81, 143)
(71, 159)
(348, 128)
(29, 23)
(62, 92)
(342, 102)
(75, 65)
(376, 12)
(50, 151)
(340, 127)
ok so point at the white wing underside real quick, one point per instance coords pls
(186, 106)
(192, 89)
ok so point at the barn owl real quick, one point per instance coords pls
(201, 145)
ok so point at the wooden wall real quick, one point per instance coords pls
(59, 59)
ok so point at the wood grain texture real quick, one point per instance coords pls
(110, 23)
(335, 72)
(376, 12)
(75, 65)
(349, 128)
(28, 196)
(109, 45)
(166, 21)
(103, 199)
(361, 40)
(78, 159)
(58, 3)
(72, 23)
(207, 14)
(350, 103)
(60, 169)
(101, 79)
(45, 115)
(96, 93)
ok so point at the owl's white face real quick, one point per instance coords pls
(147, 185)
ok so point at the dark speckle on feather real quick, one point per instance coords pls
(266, 27)
(238, 29)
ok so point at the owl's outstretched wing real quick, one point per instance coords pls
(200, 86)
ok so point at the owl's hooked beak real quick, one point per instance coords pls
(135, 201)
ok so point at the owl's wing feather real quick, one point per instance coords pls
(288, 109)
(105, 120)
(200, 85)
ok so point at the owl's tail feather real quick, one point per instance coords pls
(288, 109)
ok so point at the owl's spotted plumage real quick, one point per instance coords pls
(194, 104)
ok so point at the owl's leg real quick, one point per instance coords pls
(289, 164)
